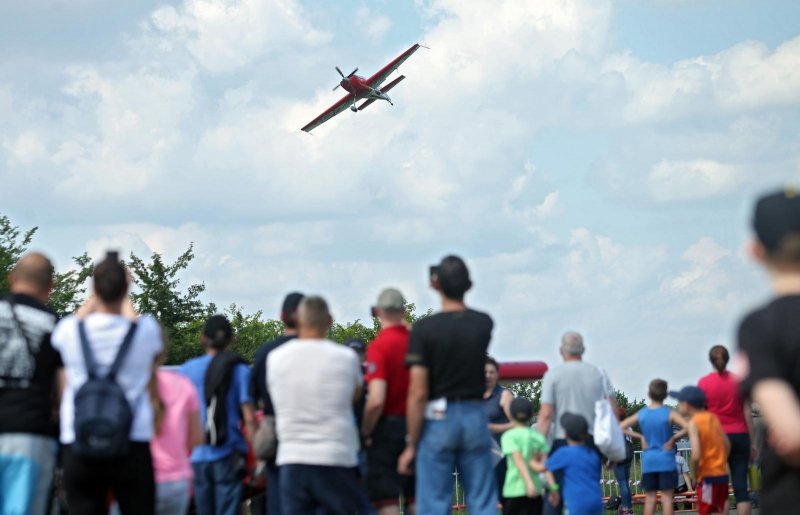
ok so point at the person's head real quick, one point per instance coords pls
(289, 310)
(110, 280)
(358, 346)
(658, 390)
(691, 399)
(32, 275)
(776, 222)
(390, 308)
(576, 427)
(451, 278)
(521, 410)
(313, 318)
(217, 333)
(492, 371)
(621, 413)
(572, 348)
(719, 358)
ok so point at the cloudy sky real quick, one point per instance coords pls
(594, 160)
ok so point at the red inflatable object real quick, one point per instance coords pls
(522, 370)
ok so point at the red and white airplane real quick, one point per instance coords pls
(359, 88)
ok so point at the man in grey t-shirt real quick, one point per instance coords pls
(570, 387)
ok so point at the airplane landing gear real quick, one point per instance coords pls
(354, 109)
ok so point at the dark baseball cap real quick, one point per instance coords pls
(521, 409)
(356, 344)
(291, 303)
(576, 426)
(777, 215)
(218, 330)
(693, 395)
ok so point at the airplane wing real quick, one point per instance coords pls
(383, 90)
(329, 113)
(377, 79)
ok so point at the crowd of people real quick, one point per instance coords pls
(373, 427)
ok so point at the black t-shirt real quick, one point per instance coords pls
(258, 376)
(770, 339)
(27, 381)
(452, 346)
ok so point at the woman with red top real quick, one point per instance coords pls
(722, 391)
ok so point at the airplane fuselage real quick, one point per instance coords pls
(358, 87)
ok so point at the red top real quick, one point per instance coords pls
(386, 357)
(724, 401)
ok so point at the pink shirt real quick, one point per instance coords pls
(724, 401)
(170, 455)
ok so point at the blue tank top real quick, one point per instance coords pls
(491, 405)
(656, 429)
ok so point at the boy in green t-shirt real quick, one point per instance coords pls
(522, 490)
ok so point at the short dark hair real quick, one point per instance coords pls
(658, 390)
(453, 277)
(110, 280)
(289, 309)
(717, 348)
(491, 361)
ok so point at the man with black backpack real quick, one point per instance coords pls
(106, 416)
(28, 369)
(222, 380)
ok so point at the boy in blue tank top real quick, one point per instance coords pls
(658, 447)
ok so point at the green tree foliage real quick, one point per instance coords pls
(13, 244)
(251, 331)
(531, 390)
(181, 313)
(69, 291)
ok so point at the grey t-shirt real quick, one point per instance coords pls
(574, 387)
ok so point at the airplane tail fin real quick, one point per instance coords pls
(383, 90)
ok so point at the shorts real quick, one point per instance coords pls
(384, 483)
(523, 506)
(712, 497)
(659, 481)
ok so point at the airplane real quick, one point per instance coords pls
(359, 88)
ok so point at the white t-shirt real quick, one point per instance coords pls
(312, 384)
(105, 334)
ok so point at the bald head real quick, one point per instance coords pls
(572, 345)
(313, 317)
(32, 275)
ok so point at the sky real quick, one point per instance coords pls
(594, 161)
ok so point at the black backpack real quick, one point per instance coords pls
(103, 415)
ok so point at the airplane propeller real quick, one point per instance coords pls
(343, 76)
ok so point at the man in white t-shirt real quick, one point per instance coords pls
(107, 320)
(313, 383)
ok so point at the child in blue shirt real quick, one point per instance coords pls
(581, 466)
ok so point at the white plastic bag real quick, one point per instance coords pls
(608, 435)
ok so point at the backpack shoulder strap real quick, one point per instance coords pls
(122, 352)
(88, 355)
(12, 307)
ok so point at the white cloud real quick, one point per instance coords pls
(25, 148)
(671, 181)
(373, 25)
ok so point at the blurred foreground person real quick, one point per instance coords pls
(106, 421)
(28, 369)
(383, 428)
(260, 394)
(313, 383)
(769, 344)
(447, 425)
(222, 381)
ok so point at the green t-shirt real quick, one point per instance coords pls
(528, 443)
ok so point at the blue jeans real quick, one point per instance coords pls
(273, 496)
(321, 489)
(27, 462)
(462, 440)
(218, 486)
(622, 472)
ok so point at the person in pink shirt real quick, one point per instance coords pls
(178, 430)
(722, 392)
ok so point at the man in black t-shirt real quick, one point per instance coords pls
(259, 392)
(29, 367)
(769, 350)
(446, 356)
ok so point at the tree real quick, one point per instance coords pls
(250, 331)
(13, 245)
(180, 313)
(70, 287)
(530, 390)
